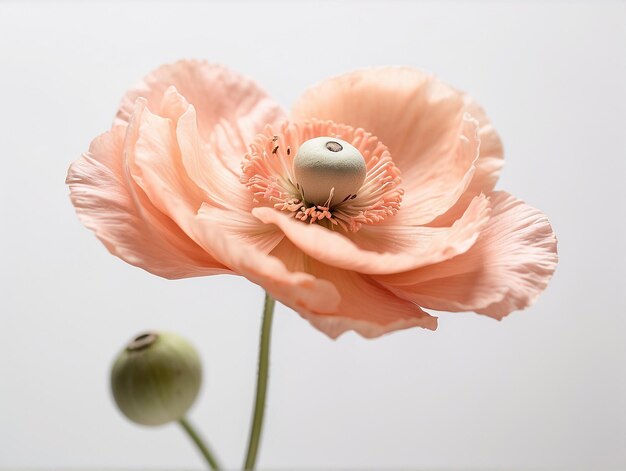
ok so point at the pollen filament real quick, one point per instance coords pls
(267, 171)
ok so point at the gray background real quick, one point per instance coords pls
(545, 388)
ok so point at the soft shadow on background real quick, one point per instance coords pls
(545, 388)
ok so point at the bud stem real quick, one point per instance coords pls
(202, 446)
(261, 385)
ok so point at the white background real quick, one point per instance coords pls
(545, 388)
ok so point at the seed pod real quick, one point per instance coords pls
(327, 163)
(156, 378)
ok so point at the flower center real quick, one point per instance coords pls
(328, 171)
(339, 177)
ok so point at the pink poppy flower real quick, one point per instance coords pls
(197, 177)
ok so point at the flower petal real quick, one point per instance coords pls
(241, 226)
(385, 249)
(365, 307)
(421, 120)
(487, 167)
(109, 203)
(155, 164)
(165, 163)
(442, 184)
(507, 268)
(221, 186)
(491, 156)
(231, 108)
(300, 291)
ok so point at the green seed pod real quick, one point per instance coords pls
(156, 378)
(325, 163)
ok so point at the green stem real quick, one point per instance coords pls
(203, 447)
(261, 384)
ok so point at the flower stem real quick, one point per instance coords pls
(261, 384)
(202, 446)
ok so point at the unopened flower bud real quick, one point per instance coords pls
(156, 378)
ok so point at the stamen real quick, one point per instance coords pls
(273, 179)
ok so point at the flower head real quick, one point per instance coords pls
(373, 199)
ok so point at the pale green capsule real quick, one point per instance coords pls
(156, 378)
(323, 164)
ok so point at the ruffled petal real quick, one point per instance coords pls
(507, 268)
(365, 306)
(298, 290)
(382, 249)
(109, 203)
(491, 155)
(487, 166)
(166, 161)
(222, 187)
(242, 226)
(422, 121)
(231, 108)
(156, 166)
(441, 185)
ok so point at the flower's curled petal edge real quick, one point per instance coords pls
(241, 226)
(156, 165)
(231, 107)
(365, 306)
(487, 166)
(298, 290)
(109, 203)
(399, 250)
(334, 326)
(221, 186)
(508, 267)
